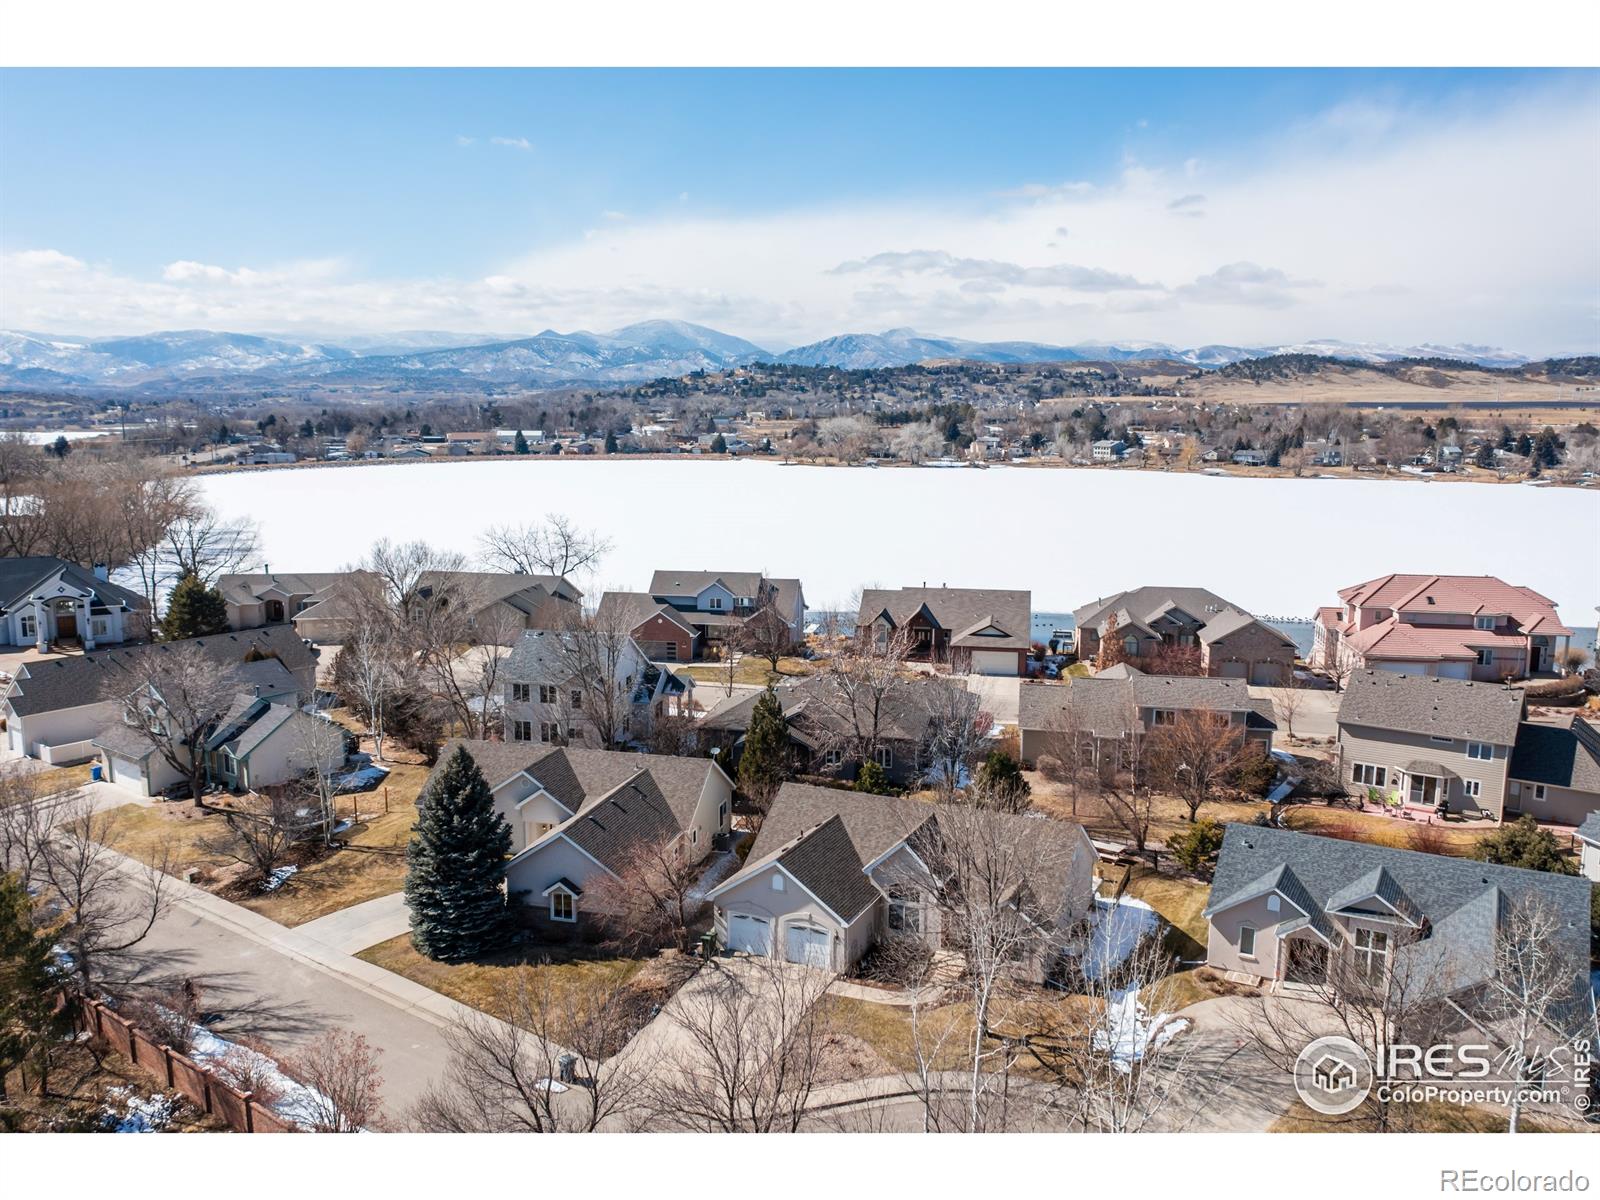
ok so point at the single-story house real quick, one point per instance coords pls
(45, 600)
(1294, 907)
(978, 631)
(832, 871)
(1159, 622)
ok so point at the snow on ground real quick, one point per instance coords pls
(128, 1110)
(296, 1102)
(1380, 526)
(1117, 929)
(1131, 1032)
(279, 877)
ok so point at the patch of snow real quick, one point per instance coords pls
(278, 878)
(1117, 928)
(1131, 1032)
(128, 1110)
(296, 1102)
(551, 1085)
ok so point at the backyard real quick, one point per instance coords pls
(1434, 838)
(750, 668)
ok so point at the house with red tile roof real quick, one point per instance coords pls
(1451, 626)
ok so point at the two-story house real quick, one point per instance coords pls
(687, 614)
(44, 601)
(1301, 909)
(832, 872)
(585, 687)
(1107, 712)
(578, 815)
(1456, 626)
(1466, 747)
(976, 631)
(1169, 622)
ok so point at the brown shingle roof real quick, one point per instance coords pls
(959, 610)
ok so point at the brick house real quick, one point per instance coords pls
(1174, 622)
(977, 631)
(687, 614)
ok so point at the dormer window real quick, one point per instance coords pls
(1483, 622)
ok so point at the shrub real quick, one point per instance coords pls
(1524, 844)
(1255, 773)
(872, 778)
(1197, 846)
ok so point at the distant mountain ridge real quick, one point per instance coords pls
(634, 353)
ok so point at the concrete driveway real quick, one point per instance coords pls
(1000, 695)
(351, 930)
(1317, 716)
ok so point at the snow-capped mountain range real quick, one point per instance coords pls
(647, 350)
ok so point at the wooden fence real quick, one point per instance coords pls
(238, 1110)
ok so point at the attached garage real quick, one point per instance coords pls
(1233, 670)
(126, 773)
(994, 662)
(749, 934)
(1267, 674)
(809, 945)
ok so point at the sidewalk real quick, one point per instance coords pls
(351, 930)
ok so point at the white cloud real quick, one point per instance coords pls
(1412, 230)
(516, 143)
(612, 214)
(463, 140)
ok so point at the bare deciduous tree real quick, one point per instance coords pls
(651, 898)
(341, 1071)
(171, 698)
(259, 831)
(1193, 757)
(958, 733)
(857, 693)
(602, 664)
(554, 546)
(504, 1074)
(766, 634)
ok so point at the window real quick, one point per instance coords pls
(777, 882)
(1480, 750)
(1371, 952)
(563, 906)
(1486, 657)
(884, 757)
(1131, 644)
(522, 731)
(905, 914)
(29, 628)
(1274, 903)
(100, 627)
(722, 815)
(833, 758)
(577, 698)
(547, 693)
(572, 733)
(549, 731)
(1369, 775)
(1247, 941)
(669, 651)
(1538, 792)
(521, 692)
(714, 603)
(1471, 788)
(1164, 716)
(1483, 622)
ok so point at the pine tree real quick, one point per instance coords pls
(611, 442)
(1523, 844)
(520, 446)
(455, 865)
(872, 778)
(28, 981)
(719, 445)
(194, 610)
(763, 765)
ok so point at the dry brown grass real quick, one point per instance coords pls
(77, 1092)
(1429, 1117)
(1378, 830)
(1168, 818)
(479, 984)
(890, 1032)
(1178, 901)
(750, 669)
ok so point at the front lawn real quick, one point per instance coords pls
(750, 669)
(890, 1032)
(1180, 903)
(480, 983)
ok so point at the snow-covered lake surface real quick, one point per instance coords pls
(1276, 546)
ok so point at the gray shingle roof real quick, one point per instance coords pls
(1232, 621)
(629, 610)
(1145, 603)
(828, 865)
(1589, 831)
(1457, 708)
(82, 679)
(692, 583)
(1565, 756)
(958, 610)
(633, 814)
(20, 578)
(1448, 892)
(1104, 706)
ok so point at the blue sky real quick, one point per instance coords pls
(506, 200)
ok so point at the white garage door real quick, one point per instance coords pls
(810, 946)
(1233, 670)
(1266, 674)
(126, 773)
(750, 935)
(994, 662)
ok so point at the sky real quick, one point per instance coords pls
(1181, 206)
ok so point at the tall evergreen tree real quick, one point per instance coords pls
(194, 610)
(455, 865)
(520, 446)
(764, 764)
(719, 445)
(29, 981)
(611, 442)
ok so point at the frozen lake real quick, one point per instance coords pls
(1276, 546)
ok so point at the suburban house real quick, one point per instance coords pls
(1157, 622)
(832, 872)
(319, 605)
(46, 601)
(578, 815)
(1458, 626)
(1288, 906)
(263, 739)
(1108, 450)
(686, 614)
(820, 738)
(544, 698)
(55, 708)
(1588, 835)
(1464, 746)
(975, 631)
(1109, 710)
